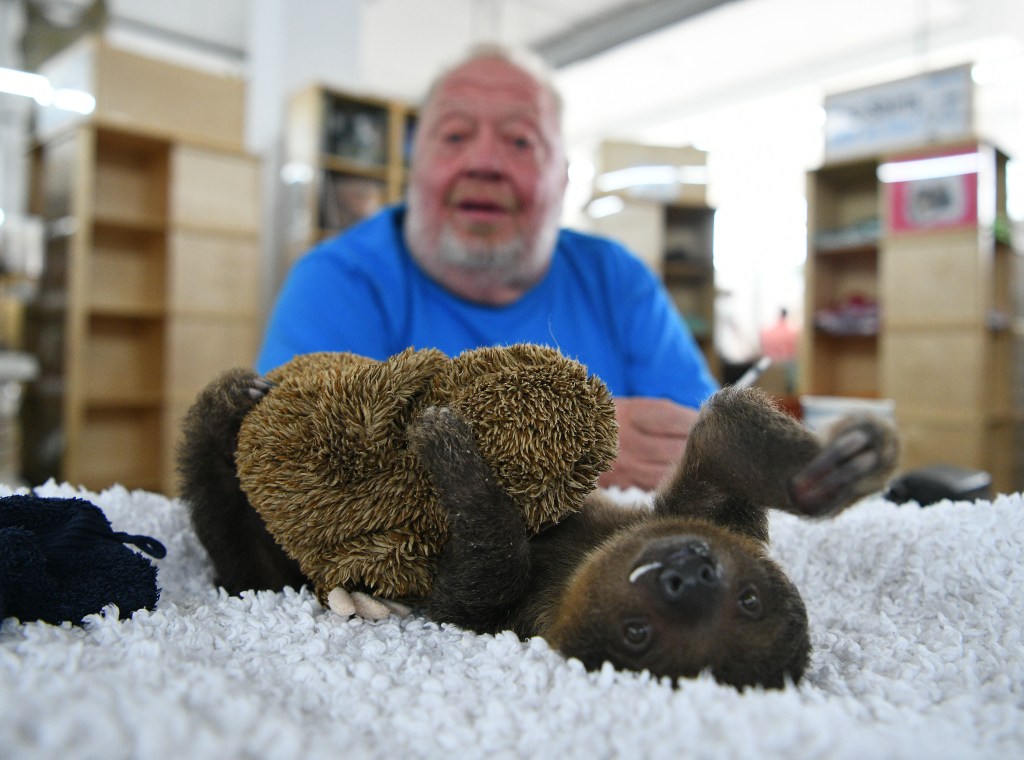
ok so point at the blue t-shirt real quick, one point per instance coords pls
(362, 292)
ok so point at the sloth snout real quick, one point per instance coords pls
(691, 581)
(692, 575)
(683, 573)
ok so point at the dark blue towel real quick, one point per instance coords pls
(60, 560)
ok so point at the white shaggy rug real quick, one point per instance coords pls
(916, 618)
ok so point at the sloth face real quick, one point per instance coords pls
(677, 597)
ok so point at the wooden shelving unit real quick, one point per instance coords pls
(346, 156)
(673, 235)
(912, 295)
(150, 288)
(656, 232)
(841, 351)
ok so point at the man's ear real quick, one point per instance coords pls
(564, 174)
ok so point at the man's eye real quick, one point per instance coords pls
(522, 143)
(454, 138)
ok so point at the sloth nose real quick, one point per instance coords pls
(690, 581)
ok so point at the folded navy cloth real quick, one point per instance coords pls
(60, 560)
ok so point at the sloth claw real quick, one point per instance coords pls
(346, 604)
(843, 471)
(257, 388)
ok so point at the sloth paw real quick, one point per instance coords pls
(346, 604)
(440, 429)
(257, 388)
(445, 443)
(233, 395)
(468, 491)
(857, 460)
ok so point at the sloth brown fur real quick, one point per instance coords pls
(683, 587)
(324, 460)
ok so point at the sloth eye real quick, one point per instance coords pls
(636, 634)
(749, 602)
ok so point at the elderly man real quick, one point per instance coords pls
(476, 258)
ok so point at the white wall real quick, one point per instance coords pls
(286, 52)
(14, 115)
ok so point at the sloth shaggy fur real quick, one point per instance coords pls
(324, 461)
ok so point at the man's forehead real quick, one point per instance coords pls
(493, 81)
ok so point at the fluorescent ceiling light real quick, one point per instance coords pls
(928, 168)
(641, 176)
(38, 88)
(606, 205)
(78, 101)
(580, 171)
(22, 83)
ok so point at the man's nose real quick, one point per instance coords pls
(483, 157)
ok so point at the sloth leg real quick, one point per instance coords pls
(744, 454)
(485, 565)
(243, 553)
(211, 425)
(858, 458)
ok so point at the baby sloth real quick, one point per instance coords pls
(679, 588)
(682, 586)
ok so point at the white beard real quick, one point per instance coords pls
(512, 260)
(480, 257)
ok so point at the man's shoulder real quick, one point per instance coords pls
(597, 252)
(368, 245)
(580, 240)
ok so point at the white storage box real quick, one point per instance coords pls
(821, 412)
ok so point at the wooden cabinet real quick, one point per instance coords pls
(840, 356)
(676, 241)
(150, 288)
(911, 295)
(138, 92)
(346, 156)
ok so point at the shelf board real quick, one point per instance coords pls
(844, 336)
(127, 311)
(244, 316)
(920, 325)
(859, 249)
(220, 230)
(347, 166)
(149, 224)
(686, 269)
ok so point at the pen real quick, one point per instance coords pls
(751, 375)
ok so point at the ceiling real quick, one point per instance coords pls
(563, 30)
(663, 71)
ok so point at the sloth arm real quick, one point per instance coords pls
(745, 455)
(484, 568)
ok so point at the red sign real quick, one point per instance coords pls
(931, 193)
